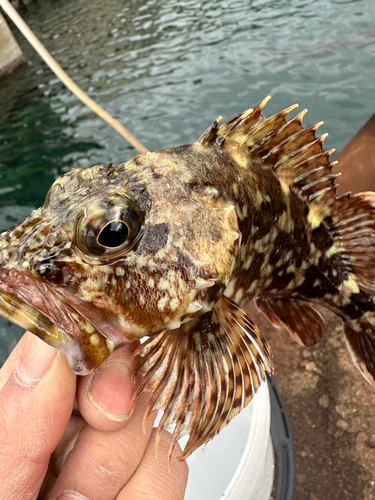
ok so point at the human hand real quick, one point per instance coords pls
(46, 452)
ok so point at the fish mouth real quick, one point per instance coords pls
(39, 308)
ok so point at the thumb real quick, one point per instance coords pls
(36, 402)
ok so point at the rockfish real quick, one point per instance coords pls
(171, 245)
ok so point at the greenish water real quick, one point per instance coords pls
(166, 69)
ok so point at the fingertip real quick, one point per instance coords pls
(36, 360)
(156, 477)
(105, 397)
(66, 444)
(111, 391)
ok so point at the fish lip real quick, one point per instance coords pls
(24, 293)
(29, 318)
(37, 306)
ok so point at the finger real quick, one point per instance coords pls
(154, 479)
(66, 444)
(35, 406)
(105, 397)
(48, 482)
(102, 462)
(58, 457)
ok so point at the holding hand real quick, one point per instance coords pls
(46, 452)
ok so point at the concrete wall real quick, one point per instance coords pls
(10, 52)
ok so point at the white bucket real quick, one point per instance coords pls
(238, 464)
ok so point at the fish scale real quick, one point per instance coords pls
(170, 245)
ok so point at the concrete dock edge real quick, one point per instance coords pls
(10, 52)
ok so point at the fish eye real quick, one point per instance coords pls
(109, 228)
(113, 234)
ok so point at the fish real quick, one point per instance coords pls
(169, 246)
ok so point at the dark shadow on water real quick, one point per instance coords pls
(34, 149)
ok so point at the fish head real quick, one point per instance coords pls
(115, 254)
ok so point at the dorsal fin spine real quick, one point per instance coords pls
(322, 156)
(299, 116)
(210, 134)
(262, 104)
(295, 139)
(295, 153)
(289, 127)
(319, 181)
(320, 194)
(305, 175)
(286, 111)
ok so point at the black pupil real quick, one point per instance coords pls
(114, 234)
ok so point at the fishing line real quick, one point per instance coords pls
(64, 78)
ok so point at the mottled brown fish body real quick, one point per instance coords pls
(171, 244)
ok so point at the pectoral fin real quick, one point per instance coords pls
(204, 373)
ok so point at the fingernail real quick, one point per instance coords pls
(71, 495)
(111, 391)
(36, 359)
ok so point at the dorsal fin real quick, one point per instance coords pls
(300, 162)
(294, 152)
